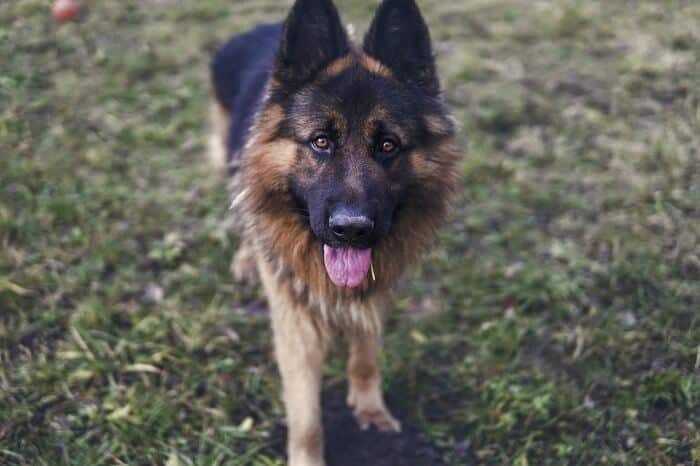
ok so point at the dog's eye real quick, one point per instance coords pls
(321, 143)
(387, 147)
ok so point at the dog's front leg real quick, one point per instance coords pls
(365, 384)
(300, 352)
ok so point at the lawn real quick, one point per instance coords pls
(556, 322)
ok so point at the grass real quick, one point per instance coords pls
(557, 321)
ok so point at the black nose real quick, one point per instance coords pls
(351, 228)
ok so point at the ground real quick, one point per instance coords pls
(555, 321)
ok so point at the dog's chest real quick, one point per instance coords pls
(330, 313)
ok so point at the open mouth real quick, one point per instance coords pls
(347, 267)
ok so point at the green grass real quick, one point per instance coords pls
(557, 322)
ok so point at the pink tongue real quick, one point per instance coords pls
(347, 267)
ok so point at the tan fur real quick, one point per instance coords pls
(339, 65)
(266, 125)
(243, 266)
(365, 380)
(300, 351)
(218, 140)
(429, 166)
(438, 125)
(301, 343)
(356, 57)
(374, 66)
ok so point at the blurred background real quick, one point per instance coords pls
(556, 322)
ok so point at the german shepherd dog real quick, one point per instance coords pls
(342, 162)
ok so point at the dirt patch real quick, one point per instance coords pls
(347, 445)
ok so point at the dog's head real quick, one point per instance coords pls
(358, 146)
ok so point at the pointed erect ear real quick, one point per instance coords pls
(312, 37)
(399, 38)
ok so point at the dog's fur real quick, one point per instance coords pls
(273, 88)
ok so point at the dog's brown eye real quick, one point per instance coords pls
(321, 143)
(388, 146)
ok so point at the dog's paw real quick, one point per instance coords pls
(369, 409)
(243, 266)
(380, 418)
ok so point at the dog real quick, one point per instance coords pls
(343, 163)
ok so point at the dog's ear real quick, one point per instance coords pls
(398, 37)
(312, 37)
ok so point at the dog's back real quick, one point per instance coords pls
(239, 71)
